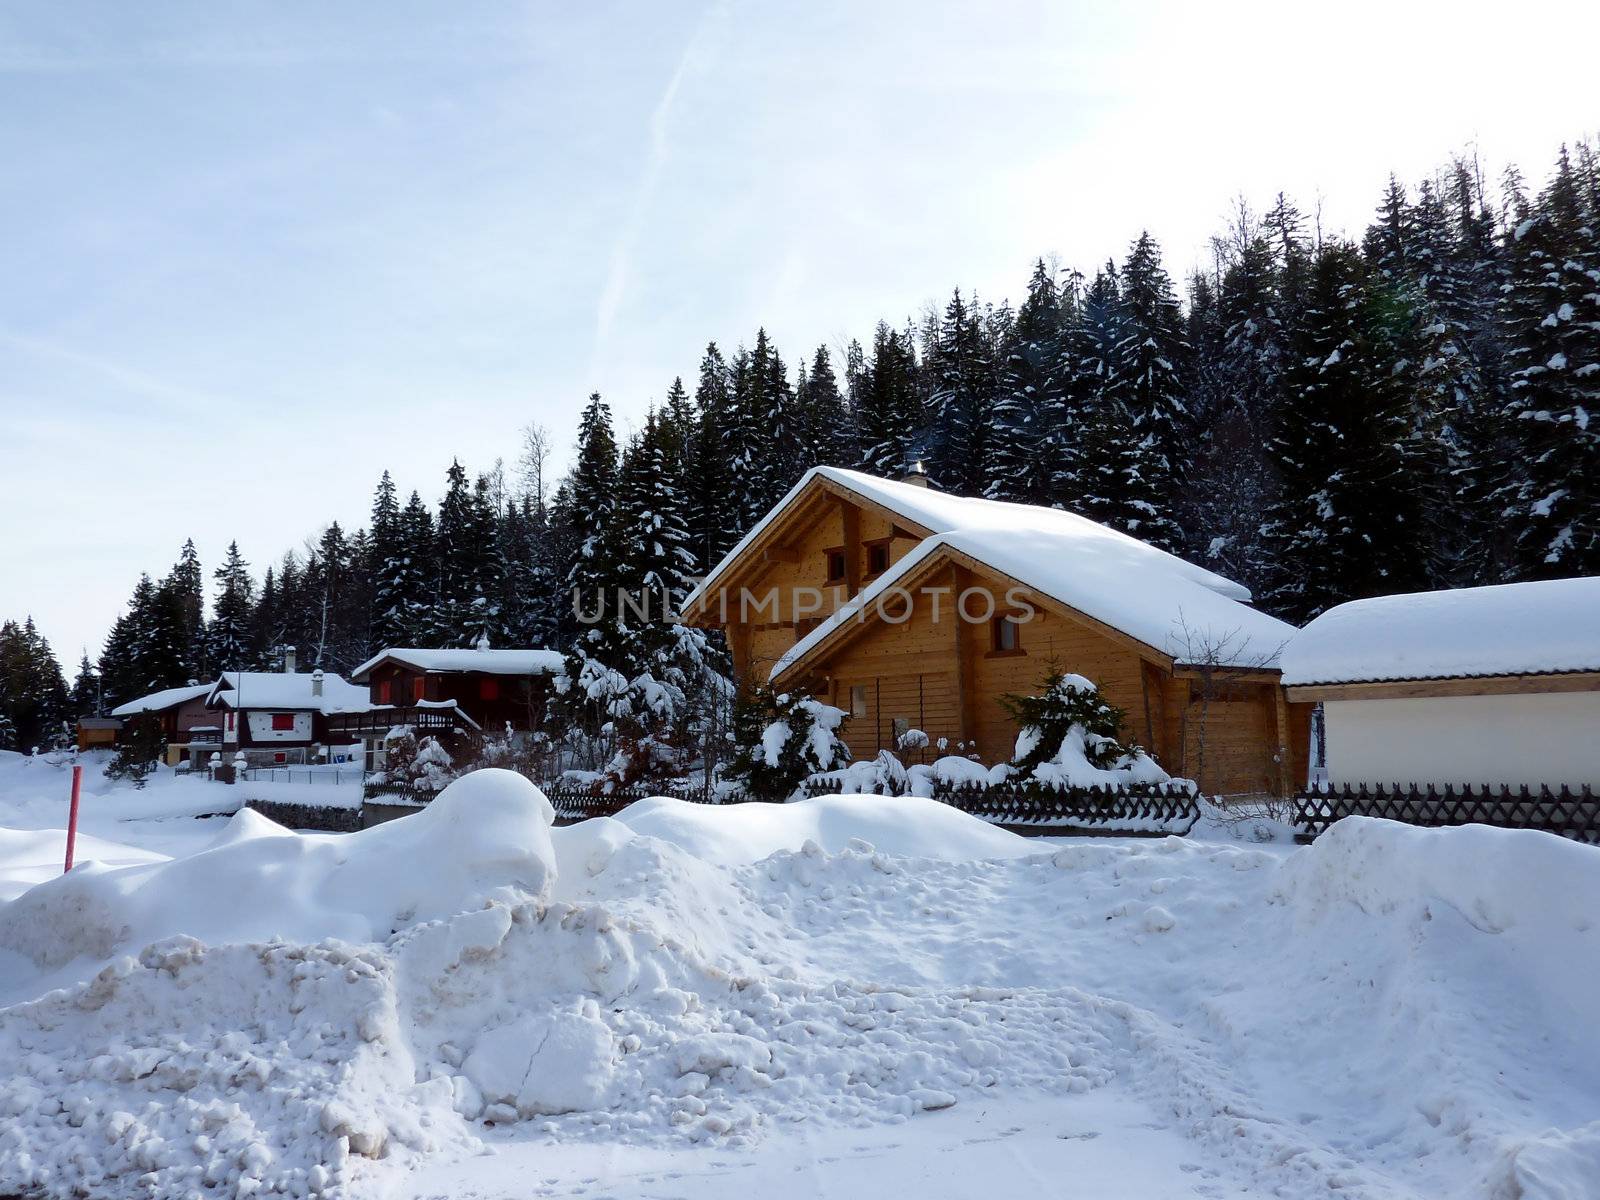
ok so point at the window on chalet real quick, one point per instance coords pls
(282, 722)
(488, 688)
(835, 565)
(877, 557)
(385, 692)
(858, 700)
(1006, 636)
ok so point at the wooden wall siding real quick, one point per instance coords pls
(1240, 738)
(1045, 640)
(931, 671)
(926, 702)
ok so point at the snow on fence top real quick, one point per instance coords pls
(1509, 629)
(1115, 579)
(157, 701)
(483, 661)
(286, 690)
(943, 513)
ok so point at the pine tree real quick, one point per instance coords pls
(1029, 418)
(590, 509)
(962, 402)
(86, 699)
(187, 582)
(1151, 356)
(387, 620)
(229, 646)
(1345, 524)
(829, 436)
(34, 704)
(888, 417)
(403, 586)
(712, 516)
(1552, 313)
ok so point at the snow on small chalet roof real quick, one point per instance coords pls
(481, 661)
(1534, 628)
(158, 701)
(286, 690)
(941, 512)
(1113, 578)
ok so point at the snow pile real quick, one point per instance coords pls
(1537, 895)
(1509, 629)
(909, 826)
(1388, 1013)
(485, 837)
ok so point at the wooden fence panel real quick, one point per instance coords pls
(1570, 814)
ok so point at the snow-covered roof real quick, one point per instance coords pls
(286, 690)
(158, 701)
(941, 513)
(1510, 629)
(1113, 578)
(485, 662)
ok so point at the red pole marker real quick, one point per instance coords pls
(72, 817)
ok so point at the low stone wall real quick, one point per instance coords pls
(327, 818)
(375, 812)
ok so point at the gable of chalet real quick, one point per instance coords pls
(1155, 604)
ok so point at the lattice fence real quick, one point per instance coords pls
(1571, 814)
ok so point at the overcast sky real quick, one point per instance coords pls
(253, 254)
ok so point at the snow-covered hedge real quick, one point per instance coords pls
(1068, 739)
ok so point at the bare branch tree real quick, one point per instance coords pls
(1217, 661)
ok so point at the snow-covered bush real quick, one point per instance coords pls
(421, 764)
(654, 726)
(1068, 737)
(782, 739)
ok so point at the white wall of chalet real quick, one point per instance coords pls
(1544, 737)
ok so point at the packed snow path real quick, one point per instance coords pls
(835, 997)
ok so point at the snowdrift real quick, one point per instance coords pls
(744, 833)
(486, 837)
(1388, 1013)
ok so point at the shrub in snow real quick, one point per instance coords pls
(884, 775)
(1068, 737)
(783, 739)
(138, 750)
(423, 765)
(653, 724)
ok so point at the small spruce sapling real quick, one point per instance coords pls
(1046, 720)
(782, 739)
(138, 750)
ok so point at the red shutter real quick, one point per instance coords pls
(488, 688)
(282, 722)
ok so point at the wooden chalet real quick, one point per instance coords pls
(495, 688)
(186, 722)
(912, 609)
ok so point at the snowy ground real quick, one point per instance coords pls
(852, 996)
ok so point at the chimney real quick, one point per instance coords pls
(288, 660)
(316, 682)
(915, 475)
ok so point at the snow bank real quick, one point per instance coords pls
(486, 836)
(909, 826)
(1539, 895)
(1388, 1013)
(1508, 629)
